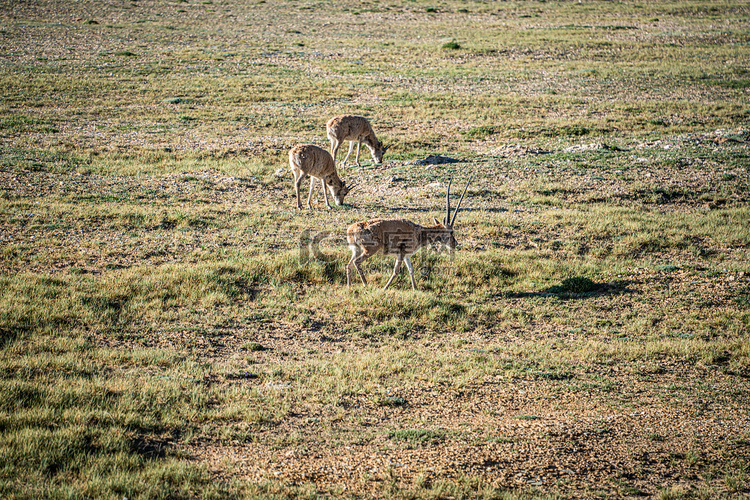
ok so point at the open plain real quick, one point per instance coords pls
(171, 326)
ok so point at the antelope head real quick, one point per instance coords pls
(339, 190)
(378, 150)
(445, 238)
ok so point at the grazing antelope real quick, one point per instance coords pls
(399, 237)
(306, 159)
(353, 128)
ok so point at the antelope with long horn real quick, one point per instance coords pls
(399, 237)
(307, 159)
(354, 128)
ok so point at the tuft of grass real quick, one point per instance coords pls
(253, 346)
(579, 284)
(418, 437)
(392, 401)
(483, 131)
(178, 100)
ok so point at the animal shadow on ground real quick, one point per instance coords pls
(152, 448)
(463, 210)
(578, 288)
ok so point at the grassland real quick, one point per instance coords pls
(172, 327)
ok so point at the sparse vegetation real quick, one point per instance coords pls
(452, 45)
(172, 327)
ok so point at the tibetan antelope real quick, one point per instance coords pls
(399, 237)
(353, 128)
(306, 159)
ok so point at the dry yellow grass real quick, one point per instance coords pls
(169, 327)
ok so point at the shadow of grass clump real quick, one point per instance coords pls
(579, 284)
(577, 287)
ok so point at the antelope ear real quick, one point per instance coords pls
(436, 221)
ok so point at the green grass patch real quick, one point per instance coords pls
(418, 437)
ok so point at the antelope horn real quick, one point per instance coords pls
(448, 202)
(352, 186)
(459, 202)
